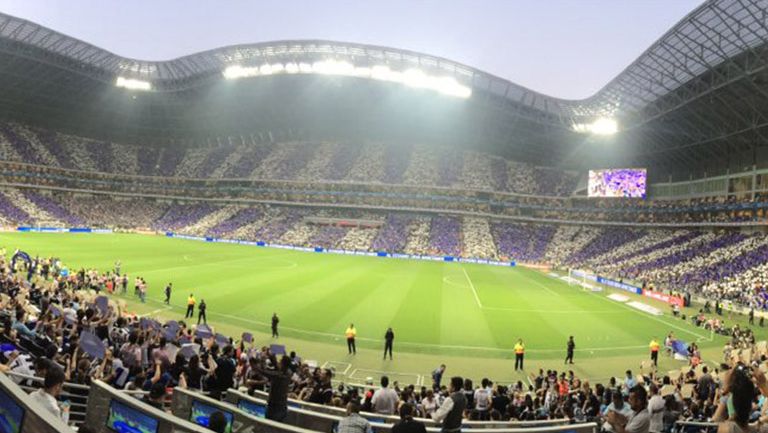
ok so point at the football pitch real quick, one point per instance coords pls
(467, 314)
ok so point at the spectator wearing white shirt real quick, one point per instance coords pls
(656, 409)
(482, 400)
(385, 400)
(47, 396)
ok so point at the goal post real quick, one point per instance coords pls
(581, 277)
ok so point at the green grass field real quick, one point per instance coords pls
(468, 316)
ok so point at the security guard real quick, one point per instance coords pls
(350, 333)
(190, 306)
(519, 354)
(654, 346)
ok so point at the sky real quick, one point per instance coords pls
(564, 48)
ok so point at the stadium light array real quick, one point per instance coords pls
(131, 84)
(601, 126)
(415, 78)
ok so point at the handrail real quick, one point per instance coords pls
(484, 426)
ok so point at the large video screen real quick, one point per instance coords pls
(11, 414)
(126, 419)
(617, 182)
(201, 414)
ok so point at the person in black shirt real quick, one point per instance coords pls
(279, 381)
(570, 346)
(217, 422)
(156, 395)
(225, 373)
(500, 401)
(168, 289)
(407, 424)
(389, 337)
(275, 321)
(201, 312)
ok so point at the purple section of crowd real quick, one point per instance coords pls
(445, 236)
(698, 249)
(609, 240)
(53, 208)
(181, 216)
(241, 218)
(522, 242)
(393, 235)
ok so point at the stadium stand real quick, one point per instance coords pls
(506, 181)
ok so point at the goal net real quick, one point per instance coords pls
(587, 280)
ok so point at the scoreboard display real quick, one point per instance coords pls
(617, 182)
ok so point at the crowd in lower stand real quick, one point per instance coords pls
(59, 326)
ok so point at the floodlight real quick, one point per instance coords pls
(380, 72)
(415, 78)
(601, 126)
(132, 84)
(605, 126)
(265, 69)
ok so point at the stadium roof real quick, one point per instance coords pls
(699, 92)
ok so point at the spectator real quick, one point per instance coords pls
(47, 396)
(279, 381)
(656, 409)
(437, 377)
(353, 422)
(407, 424)
(217, 422)
(639, 421)
(482, 400)
(156, 395)
(451, 411)
(385, 400)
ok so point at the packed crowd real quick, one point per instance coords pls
(723, 265)
(61, 331)
(304, 161)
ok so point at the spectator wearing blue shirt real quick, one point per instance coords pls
(629, 382)
(21, 328)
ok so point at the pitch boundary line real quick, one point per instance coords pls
(472, 286)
